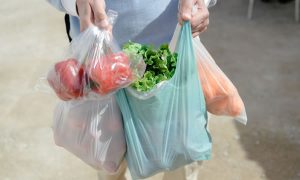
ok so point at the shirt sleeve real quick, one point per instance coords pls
(67, 6)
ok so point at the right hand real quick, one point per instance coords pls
(92, 12)
(199, 19)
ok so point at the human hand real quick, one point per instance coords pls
(199, 17)
(92, 12)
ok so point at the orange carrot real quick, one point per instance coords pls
(220, 94)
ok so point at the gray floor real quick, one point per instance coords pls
(262, 57)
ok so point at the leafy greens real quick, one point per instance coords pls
(161, 64)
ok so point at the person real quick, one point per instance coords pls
(146, 22)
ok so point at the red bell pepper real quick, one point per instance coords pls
(110, 72)
(66, 78)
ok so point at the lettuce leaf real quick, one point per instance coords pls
(161, 64)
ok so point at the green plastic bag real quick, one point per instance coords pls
(167, 130)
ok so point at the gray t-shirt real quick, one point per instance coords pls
(142, 21)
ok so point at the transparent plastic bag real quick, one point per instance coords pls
(210, 3)
(94, 63)
(221, 96)
(91, 129)
(168, 129)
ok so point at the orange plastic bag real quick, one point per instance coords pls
(221, 96)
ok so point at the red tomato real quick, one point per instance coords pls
(67, 79)
(111, 72)
(119, 57)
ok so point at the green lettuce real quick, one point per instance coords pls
(161, 64)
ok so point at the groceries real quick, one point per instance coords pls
(70, 79)
(148, 103)
(221, 96)
(161, 64)
(66, 78)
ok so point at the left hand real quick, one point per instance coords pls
(199, 18)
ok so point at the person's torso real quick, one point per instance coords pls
(146, 21)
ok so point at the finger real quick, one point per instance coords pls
(109, 28)
(185, 10)
(196, 34)
(201, 3)
(98, 7)
(179, 18)
(200, 17)
(200, 31)
(201, 28)
(85, 14)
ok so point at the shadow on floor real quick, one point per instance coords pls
(262, 58)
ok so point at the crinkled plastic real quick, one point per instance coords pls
(167, 130)
(88, 123)
(147, 94)
(221, 96)
(94, 63)
(91, 129)
(210, 3)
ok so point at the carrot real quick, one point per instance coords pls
(221, 96)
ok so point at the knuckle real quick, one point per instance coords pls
(193, 24)
(100, 16)
(206, 14)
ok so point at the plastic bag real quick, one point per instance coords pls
(94, 63)
(92, 130)
(210, 3)
(168, 129)
(221, 96)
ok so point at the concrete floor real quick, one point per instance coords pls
(261, 56)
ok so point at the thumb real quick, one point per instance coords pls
(101, 20)
(185, 10)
